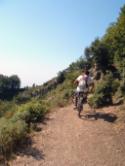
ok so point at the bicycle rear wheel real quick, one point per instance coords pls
(80, 106)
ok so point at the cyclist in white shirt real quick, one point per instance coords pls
(83, 82)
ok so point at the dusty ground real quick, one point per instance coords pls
(66, 140)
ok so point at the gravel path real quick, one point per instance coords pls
(66, 140)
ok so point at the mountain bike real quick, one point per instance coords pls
(82, 98)
(79, 98)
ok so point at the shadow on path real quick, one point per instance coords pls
(28, 150)
(109, 117)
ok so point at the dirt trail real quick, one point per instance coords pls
(67, 140)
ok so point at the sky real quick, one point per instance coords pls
(39, 38)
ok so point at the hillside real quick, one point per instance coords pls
(21, 110)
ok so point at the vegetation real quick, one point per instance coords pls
(104, 91)
(16, 122)
(20, 108)
(108, 53)
(9, 86)
(19, 112)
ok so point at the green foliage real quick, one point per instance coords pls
(109, 55)
(104, 91)
(9, 86)
(14, 82)
(110, 49)
(115, 39)
(17, 121)
(30, 112)
(17, 117)
(7, 108)
(100, 54)
(60, 77)
(22, 97)
(81, 63)
(61, 94)
(10, 133)
(122, 89)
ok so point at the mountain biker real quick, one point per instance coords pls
(83, 82)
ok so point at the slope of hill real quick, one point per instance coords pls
(26, 107)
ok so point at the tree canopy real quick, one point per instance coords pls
(9, 86)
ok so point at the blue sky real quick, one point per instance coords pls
(38, 38)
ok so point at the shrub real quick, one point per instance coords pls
(7, 108)
(104, 91)
(15, 128)
(96, 100)
(122, 89)
(22, 98)
(10, 133)
(61, 77)
(30, 112)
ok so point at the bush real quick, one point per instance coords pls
(122, 89)
(7, 108)
(96, 100)
(10, 133)
(30, 112)
(22, 98)
(104, 91)
(14, 129)
(60, 77)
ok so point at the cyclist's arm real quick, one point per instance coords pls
(92, 86)
(76, 82)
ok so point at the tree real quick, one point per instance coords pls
(115, 40)
(100, 54)
(60, 77)
(9, 86)
(14, 82)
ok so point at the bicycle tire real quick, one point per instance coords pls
(80, 106)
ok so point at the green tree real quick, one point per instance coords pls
(100, 54)
(60, 77)
(14, 82)
(9, 86)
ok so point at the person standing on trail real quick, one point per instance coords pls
(83, 82)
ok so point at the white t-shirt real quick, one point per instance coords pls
(82, 83)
